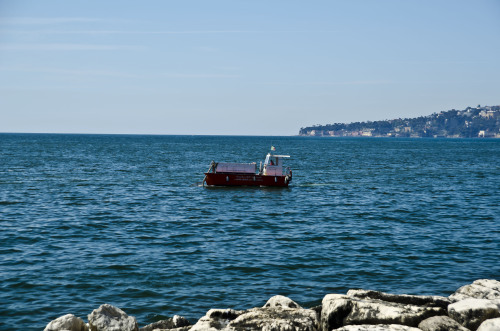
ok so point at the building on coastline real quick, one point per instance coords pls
(472, 122)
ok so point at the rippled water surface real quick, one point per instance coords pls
(93, 219)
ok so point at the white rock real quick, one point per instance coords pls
(378, 327)
(168, 324)
(335, 307)
(110, 318)
(216, 319)
(180, 321)
(276, 319)
(417, 300)
(479, 289)
(266, 318)
(472, 312)
(182, 328)
(67, 322)
(490, 325)
(341, 310)
(441, 323)
(281, 301)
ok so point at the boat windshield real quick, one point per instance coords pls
(275, 160)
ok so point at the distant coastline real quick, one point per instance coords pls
(472, 122)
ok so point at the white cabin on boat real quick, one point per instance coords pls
(273, 165)
(243, 168)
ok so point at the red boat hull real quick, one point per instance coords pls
(232, 179)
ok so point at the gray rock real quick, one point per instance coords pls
(182, 328)
(172, 323)
(180, 321)
(472, 312)
(490, 325)
(67, 322)
(334, 309)
(416, 300)
(317, 310)
(441, 323)
(479, 289)
(276, 319)
(266, 318)
(281, 301)
(341, 310)
(110, 318)
(379, 327)
(216, 319)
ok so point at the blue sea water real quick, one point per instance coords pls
(93, 219)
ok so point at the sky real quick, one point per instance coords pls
(240, 67)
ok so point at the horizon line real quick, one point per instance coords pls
(145, 134)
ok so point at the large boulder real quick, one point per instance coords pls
(334, 309)
(472, 312)
(276, 319)
(278, 314)
(67, 322)
(490, 325)
(440, 323)
(380, 327)
(417, 300)
(281, 301)
(110, 318)
(171, 323)
(479, 289)
(342, 310)
(216, 319)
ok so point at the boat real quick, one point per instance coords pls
(271, 173)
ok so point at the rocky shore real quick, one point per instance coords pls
(472, 307)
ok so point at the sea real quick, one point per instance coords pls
(123, 219)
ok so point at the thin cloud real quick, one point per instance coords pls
(46, 20)
(65, 47)
(360, 82)
(180, 75)
(165, 32)
(73, 72)
(83, 72)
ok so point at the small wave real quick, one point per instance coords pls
(246, 269)
(317, 184)
(5, 203)
(121, 267)
(118, 254)
(10, 250)
(23, 285)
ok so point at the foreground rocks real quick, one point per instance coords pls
(339, 310)
(479, 289)
(472, 312)
(490, 325)
(472, 307)
(440, 323)
(279, 313)
(177, 322)
(67, 322)
(110, 318)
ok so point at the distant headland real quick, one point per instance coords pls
(472, 122)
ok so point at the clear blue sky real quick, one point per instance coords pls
(240, 67)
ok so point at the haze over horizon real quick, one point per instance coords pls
(240, 67)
